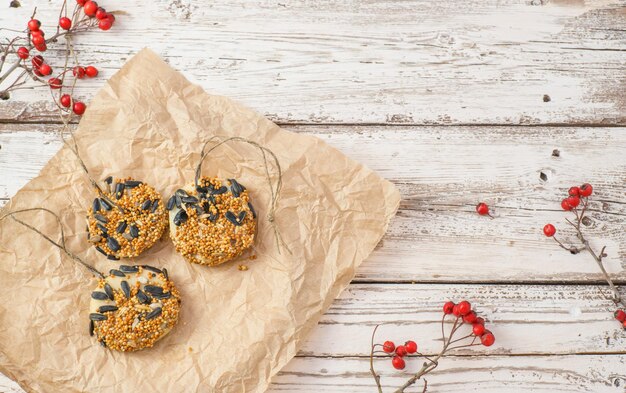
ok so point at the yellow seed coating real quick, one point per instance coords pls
(211, 243)
(151, 225)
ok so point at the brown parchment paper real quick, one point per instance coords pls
(237, 329)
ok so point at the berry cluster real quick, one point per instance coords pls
(464, 311)
(409, 348)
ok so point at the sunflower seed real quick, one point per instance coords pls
(113, 244)
(119, 190)
(182, 193)
(242, 215)
(153, 290)
(101, 218)
(103, 343)
(201, 189)
(152, 269)
(252, 210)
(109, 291)
(117, 273)
(134, 231)
(167, 276)
(180, 217)
(155, 205)
(103, 229)
(125, 288)
(235, 188)
(96, 205)
(121, 227)
(113, 258)
(178, 201)
(101, 251)
(165, 295)
(107, 308)
(146, 204)
(129, 268)
(142, 297)
(198, 209)
(91, 327)
(127, 237)
(154, 313)
(94, 239)
(132, 183)
(219, 191)
(201, 196)
(189, 199)
(230, 216)
(97, 317)
(99, 295)
(170, 202)
(105, 205)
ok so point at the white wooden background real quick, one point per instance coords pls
(446, 99)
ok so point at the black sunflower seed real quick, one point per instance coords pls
(116, 272)
(152, 269)
(132, 183)
(109, 180)
(202, 190)
(242, 215)
(219, 191)
(103, 229)
(91, 327)
(113, 258)
(134, 231)
(103, 343)
(189, 199)
(129, 268)
(235, 188)
(97, 317)
(99, 295)
(143, 298)
(202, 196)
(164, 295)
(182, 193)
(180, 217)
(125, 288)
(252, 210)
(154, 313)
(198, 209)
(166, 274)
(113, 244)
(96, 205)
(101, 218)
(146, 204)
(119, 190)
(153, 290)
(155, 206)
(170, 202)
(121, 227)
(105, 205)
(101, 251)
(107, 308)
(230, 216)
(213, 217)
(109, 291)
(178, 201)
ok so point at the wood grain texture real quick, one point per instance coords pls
(442, 173)
(409, 62)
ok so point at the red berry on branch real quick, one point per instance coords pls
(37, 72)
(620, 315)
(101, 13)
(447, 307)
(487, 339)
(482, 209)
(398, 363)
(111, 17)
(573, 201)
(78, 72)
(38, 33)
(465, 307)
(81, 2)
(41, 48)
(38, 40)
(55, 83)
(565, 205)
(79, 108)
(455, 311)
(91, 71)
(480, 321)
(478, 329)
(411, 346)
(389, 346)
(22, 53)
(65, 100)
(586, 190)
(45, 69)
(470, 317)
(65, 23)
(549, 230)
(105, 24)
(90, 8)
(401, 350)
(33, 25)
(37, 61)
(624, 324)
(574, 191)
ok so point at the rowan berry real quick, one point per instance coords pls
(411, 346)
(22, 53)
(401, 350)
(65, 100)
(398, 363)
(574, 191)
(549, 230)
(55, 83)
(586, 190)
(464, 307)
(478, 329)
(79, 108)
(34, 24)
(45, 69)
(91, 71)
(90, 8)
(487, 339)
(65, 23)
(620, 315)
(482, 209)
(389, 346)
(447, 307)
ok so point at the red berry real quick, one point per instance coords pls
(565, 205)
(573, 201)
(447, 307)
(38, 40)
(389, 346)
(38, 33)
(78, 72)
(411, 346)
(105, 24)
(586, 190)
(398, 363)
(81, 2)
(487, 339)
(465, 307)
(111, 17)
(22, 53)
(37, 72)
(45, 69)
(478, 329)
(55, 83)
(455, 311)
(37, 61)
(470, 317)
(620, 315)
(65, 23)
(101, 13)
(41, 48)
(33, 25)
(574, 191)
(624, 324)
(79, 108)
(549, 230)
(480, 321)
(65, 100)
(90, 8)
(401, 350)
(482, 209)
(91, 71)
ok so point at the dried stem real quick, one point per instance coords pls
(374, 374)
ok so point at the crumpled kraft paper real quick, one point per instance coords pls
(237, 328)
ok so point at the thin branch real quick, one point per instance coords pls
(374, 374)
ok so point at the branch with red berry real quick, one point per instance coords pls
(38, 72)
(467, 330)
(578, 203)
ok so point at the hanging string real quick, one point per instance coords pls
(274, 190)
(61, 245)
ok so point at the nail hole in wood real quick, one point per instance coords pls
(586, 221)
(543, 176)
(546, 98)
(556, 153)
(15, 4)
(4, 95)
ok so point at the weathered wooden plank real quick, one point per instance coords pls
(442, 173)
(410, 62)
